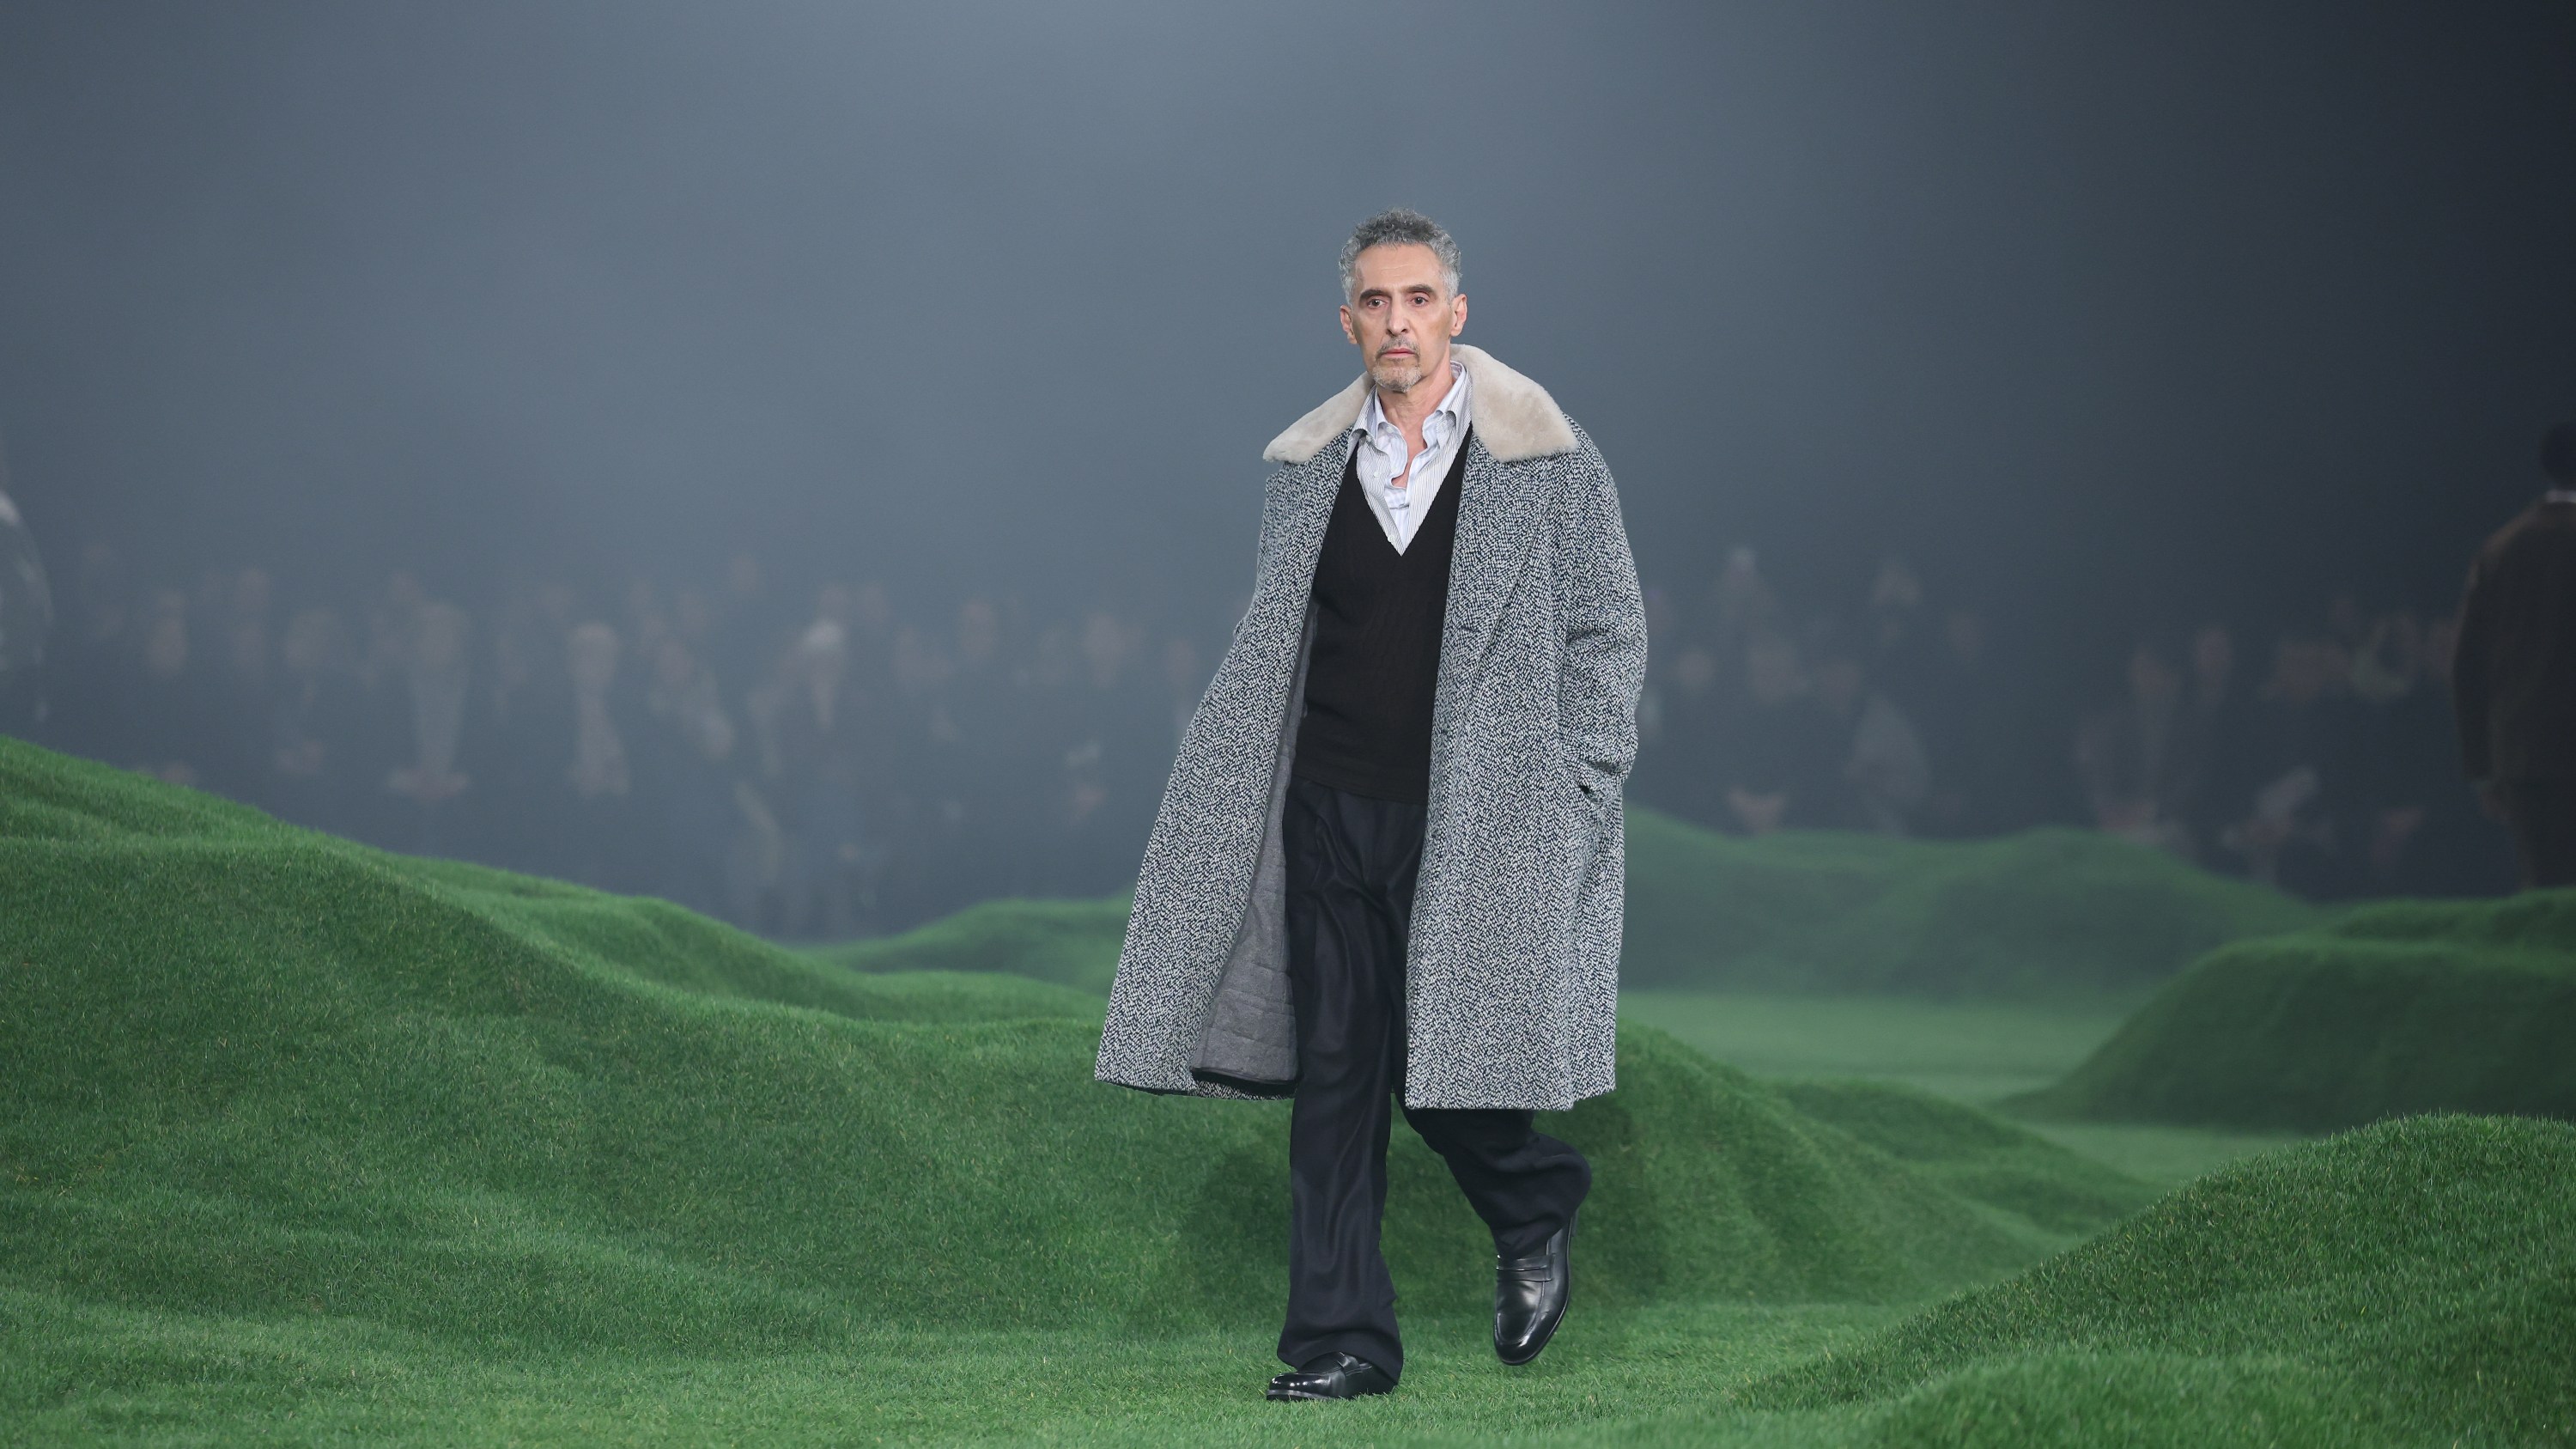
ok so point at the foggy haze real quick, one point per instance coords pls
(2077, 310)
(632, 700)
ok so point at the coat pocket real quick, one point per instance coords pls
(1594, 804)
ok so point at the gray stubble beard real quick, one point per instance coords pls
(1386, 378)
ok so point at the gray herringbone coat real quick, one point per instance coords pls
(1512, 976)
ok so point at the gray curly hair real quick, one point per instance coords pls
(1398, 226)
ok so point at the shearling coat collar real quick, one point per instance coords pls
(1514, 417)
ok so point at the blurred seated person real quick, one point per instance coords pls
(602, 822)
(1680, 771)
(437, 673)
(2301, 778)
(1964, 711)
(314, 722)
(829, 734)
(2137, 759)
(682, 764)
(1875, 772)
(170, 718)
(1770, 739)
(2391, 686)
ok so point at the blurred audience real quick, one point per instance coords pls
(859, 765)
(2333, 775)
(844, 770)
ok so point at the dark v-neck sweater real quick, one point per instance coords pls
(1374, 663)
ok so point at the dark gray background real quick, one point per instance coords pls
(2091, 310)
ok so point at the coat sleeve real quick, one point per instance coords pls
(1604, 618)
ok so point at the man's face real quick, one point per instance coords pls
(1401, 316)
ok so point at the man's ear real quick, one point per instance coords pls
(1458, 314)
(1346, 328)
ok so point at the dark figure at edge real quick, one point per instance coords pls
(2513, 673)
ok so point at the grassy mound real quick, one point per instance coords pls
(2045, 912)
(2410, 1282)
(1073, 943)
(2407, 1007)
(259, 1074)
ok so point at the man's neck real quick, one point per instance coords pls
(1407, 410)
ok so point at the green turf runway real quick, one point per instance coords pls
(2409, 1284)
(1973, 1051)
(1977, 1052)
(219, 1381)
(305, 1143)
(2404, 1006)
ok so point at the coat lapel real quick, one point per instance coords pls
(1305, 512)
(1498, 522)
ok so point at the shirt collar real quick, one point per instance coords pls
(1437, 429)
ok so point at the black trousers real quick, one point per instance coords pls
(2542, 815)
(1351, 863)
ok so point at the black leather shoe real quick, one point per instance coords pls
(1529, 1296)
(1334, 1376)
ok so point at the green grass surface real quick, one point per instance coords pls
(1978, 1052)
(1974, 1051)
(2407, 1007)
(254, 1075)
(97, 1375)
(2411, 1284)
(2047, 913)
(303, 1142)
(2415, 1279)
(1071, 943)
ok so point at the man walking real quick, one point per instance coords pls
(2513, 673)
(1388, 861)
